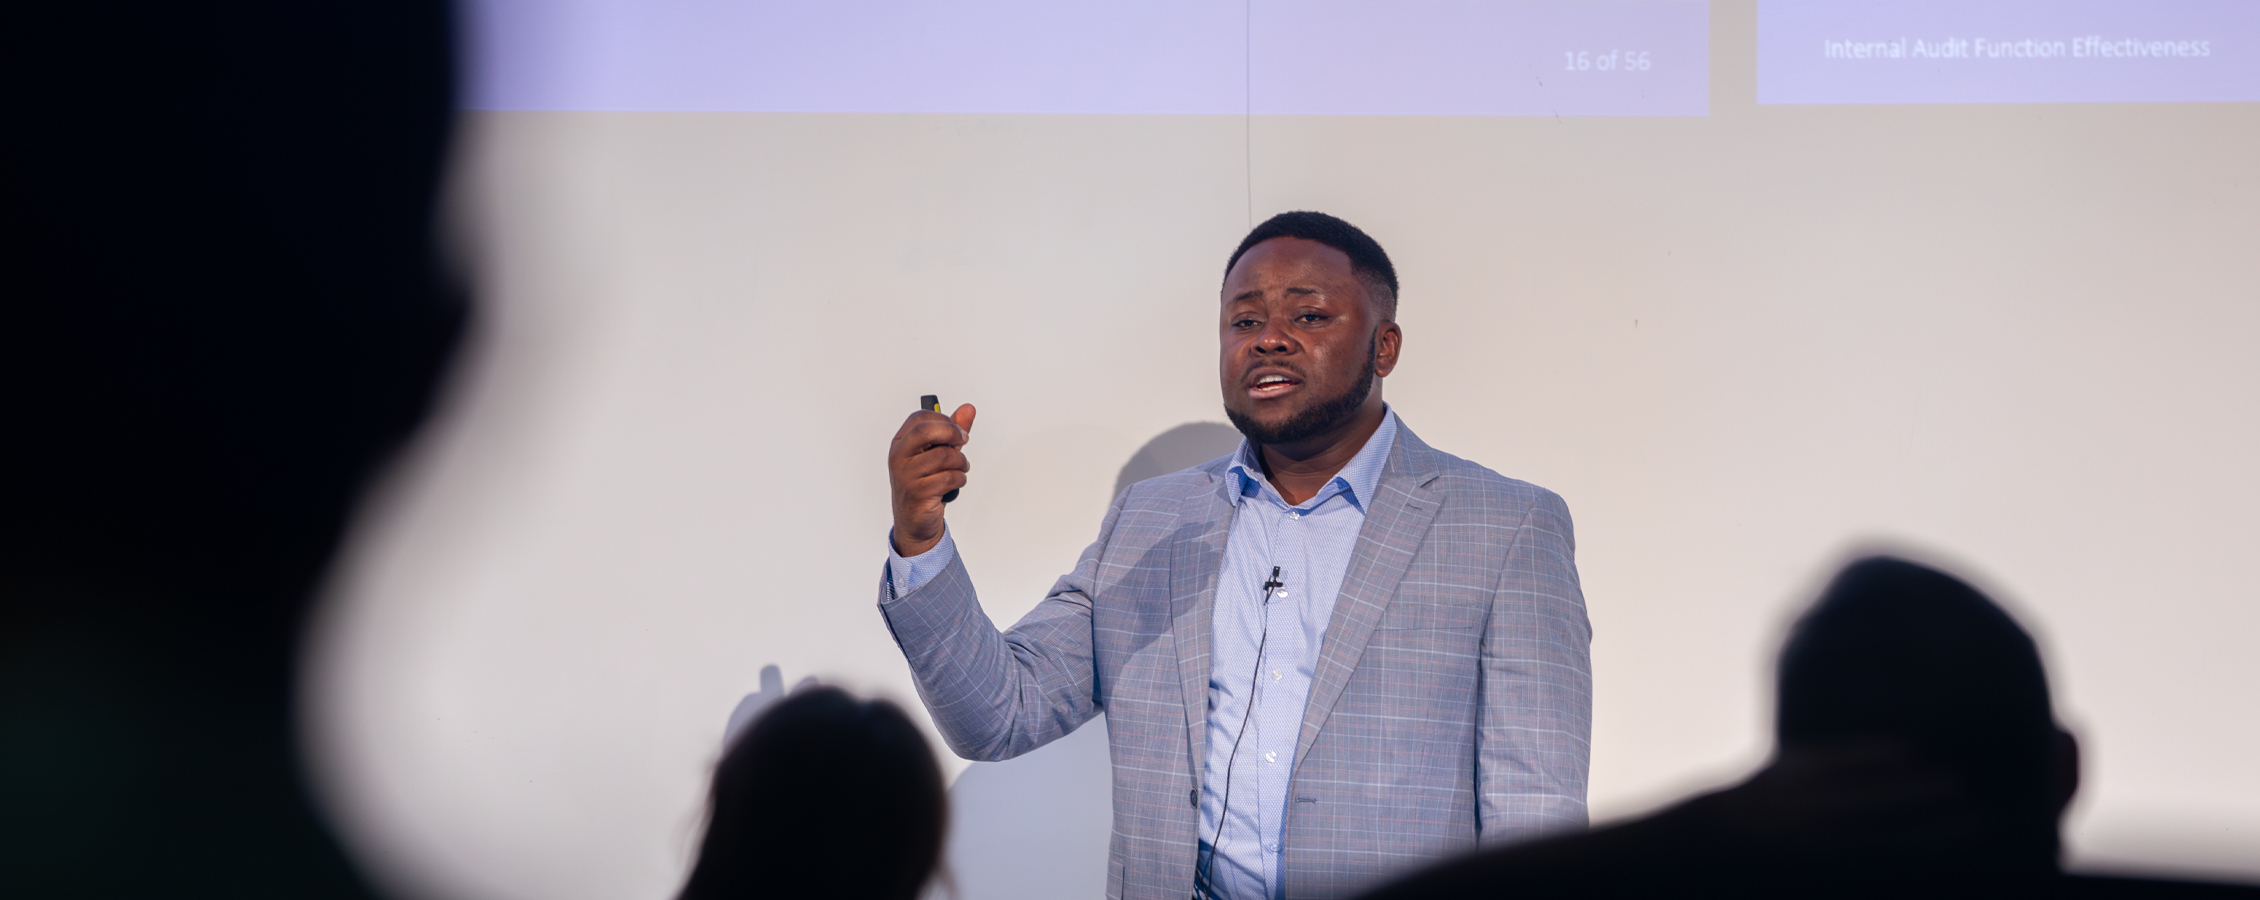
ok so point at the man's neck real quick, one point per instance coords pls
(1298, 471)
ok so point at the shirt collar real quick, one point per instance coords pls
(1359, 478)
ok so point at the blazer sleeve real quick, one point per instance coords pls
(998, 695)
(1534, 737)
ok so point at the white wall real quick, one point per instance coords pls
(2019, 339)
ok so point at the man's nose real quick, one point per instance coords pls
(1273, 341)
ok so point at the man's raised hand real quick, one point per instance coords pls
(926, 460)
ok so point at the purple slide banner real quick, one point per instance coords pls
(1135, 57)
(2008, 51)
(1480, 57)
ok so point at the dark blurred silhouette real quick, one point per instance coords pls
(824, 796)
(1917, 756)
(225, 310)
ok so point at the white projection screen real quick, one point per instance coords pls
(1754, 285)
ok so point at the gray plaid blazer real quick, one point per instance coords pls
(1452, 702)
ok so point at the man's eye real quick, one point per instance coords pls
(1311, 318)
(1243, 323)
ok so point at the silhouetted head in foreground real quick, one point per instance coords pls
(1917, 756)
(824, 796)
(1908, 664)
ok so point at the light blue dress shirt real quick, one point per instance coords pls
(1275, 644)
(1264, 650)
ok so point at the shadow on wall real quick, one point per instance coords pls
(1182, 447)
(1036, 827)
(749, 708)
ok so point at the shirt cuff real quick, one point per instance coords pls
(907, 575)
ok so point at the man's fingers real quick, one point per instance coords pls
(938, 459)
(925, 463)
(943, 482)
(928, 429)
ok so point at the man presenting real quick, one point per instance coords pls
(1331, 656)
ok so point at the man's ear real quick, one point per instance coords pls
(2065, 761)
(1387, 340)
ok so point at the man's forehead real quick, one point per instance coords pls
(1287, 259)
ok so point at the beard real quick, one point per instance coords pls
(1316, 419)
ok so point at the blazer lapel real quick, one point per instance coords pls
(1196, 556)
(1395, 523)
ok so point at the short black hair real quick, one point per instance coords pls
(1367, 260)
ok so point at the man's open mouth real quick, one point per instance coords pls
(1272, 386)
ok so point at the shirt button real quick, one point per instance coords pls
(1274, 846)
(1275, 676)
(1294, 515)
(1271, 756)
(1282, 592)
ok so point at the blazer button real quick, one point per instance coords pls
(1194, 796)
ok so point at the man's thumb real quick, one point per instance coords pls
(964, 418)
